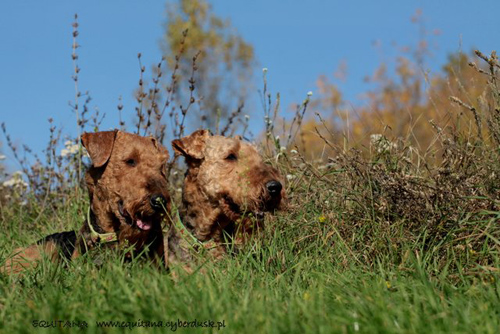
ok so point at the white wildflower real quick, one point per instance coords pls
(85, 153)
(2, 157)
(374, 138)
(264, 69)
(9, 183)
(290, 177)
(294, 151)
(74, 148)
(356, 326)
(247, 117)
(71, 149)
(277, 138)
(309, 93)
(282, 149)
(381, 144)
(16, 181)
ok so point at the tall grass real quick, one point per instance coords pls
(298, 277)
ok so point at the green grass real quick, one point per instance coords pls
(298, 277)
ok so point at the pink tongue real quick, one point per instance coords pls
(142, 225)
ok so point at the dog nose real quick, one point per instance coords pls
(158, 202)
(274, 188)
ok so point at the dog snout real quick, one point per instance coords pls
(158, 202)
(274, 188)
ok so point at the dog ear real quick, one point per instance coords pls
(99, 145)
(160, 148)
(191, 146)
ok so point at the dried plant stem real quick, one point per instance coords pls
(76, 71)
(477, 118)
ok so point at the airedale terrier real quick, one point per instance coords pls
(128, 190)
(227, 189)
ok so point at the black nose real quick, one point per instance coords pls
(274, 188)
(158, 202)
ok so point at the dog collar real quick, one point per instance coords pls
(102, 238)
(192, 241)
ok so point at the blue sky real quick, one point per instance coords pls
(296, 40)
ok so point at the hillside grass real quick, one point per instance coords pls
(299, 276)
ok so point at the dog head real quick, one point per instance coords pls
(127, 181)
(230, 174)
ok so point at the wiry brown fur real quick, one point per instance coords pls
(224, 189)
(127, 171)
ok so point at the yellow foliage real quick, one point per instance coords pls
(408, 105)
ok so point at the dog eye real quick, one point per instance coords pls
(131, 162)
(231, 157)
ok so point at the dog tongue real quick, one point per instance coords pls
(143, 225)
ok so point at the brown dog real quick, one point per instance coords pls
(227, 188)
(128, 192)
